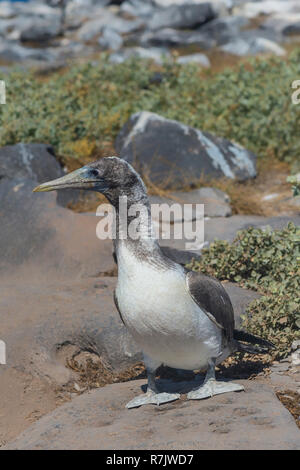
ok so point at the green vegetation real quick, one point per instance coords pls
(295, 181)
(81, 111)
(269, 262)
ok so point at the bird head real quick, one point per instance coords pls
(110, 176)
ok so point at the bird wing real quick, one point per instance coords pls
(117, 306)
(213, 299)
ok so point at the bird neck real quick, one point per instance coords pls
(134, 229)
(133, 221)
(135, 236)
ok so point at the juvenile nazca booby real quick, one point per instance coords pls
(179, 318)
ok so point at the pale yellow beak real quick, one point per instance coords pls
(78, 179)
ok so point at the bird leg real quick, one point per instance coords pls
(152, 396)
(211, 386)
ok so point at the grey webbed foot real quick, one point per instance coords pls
(212, 387)
(152, 398)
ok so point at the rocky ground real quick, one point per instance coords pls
(64, 337)
(71, 365)
(47, 34)
(253, 419)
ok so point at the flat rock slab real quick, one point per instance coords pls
(226, 228)
(40, 321)
(254, 419)
(212, 203)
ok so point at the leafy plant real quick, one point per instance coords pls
(81, 111)
(267, 261)
(295, 180)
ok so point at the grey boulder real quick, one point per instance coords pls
(33, 162)
(172, 154)
(169, 37)
(286, 24)
(11, 51)
(182, 16)
(96, 25)
(224, 28)
(215, 203)
(110, 39)
(142, 9)
(40, 30)
(7, 10)
(268, 7)
(77, 12)
(258, 45)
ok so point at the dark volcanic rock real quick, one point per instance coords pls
(41, 30)
(172, 154)
(35, 162)
(168, 37)
(182, 16)
(223, 29)
(11, 51)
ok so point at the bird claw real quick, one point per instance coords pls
(212, 387)
(153, 399)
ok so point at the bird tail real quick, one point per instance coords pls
(250, 343)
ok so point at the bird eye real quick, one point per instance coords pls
(94, 172)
